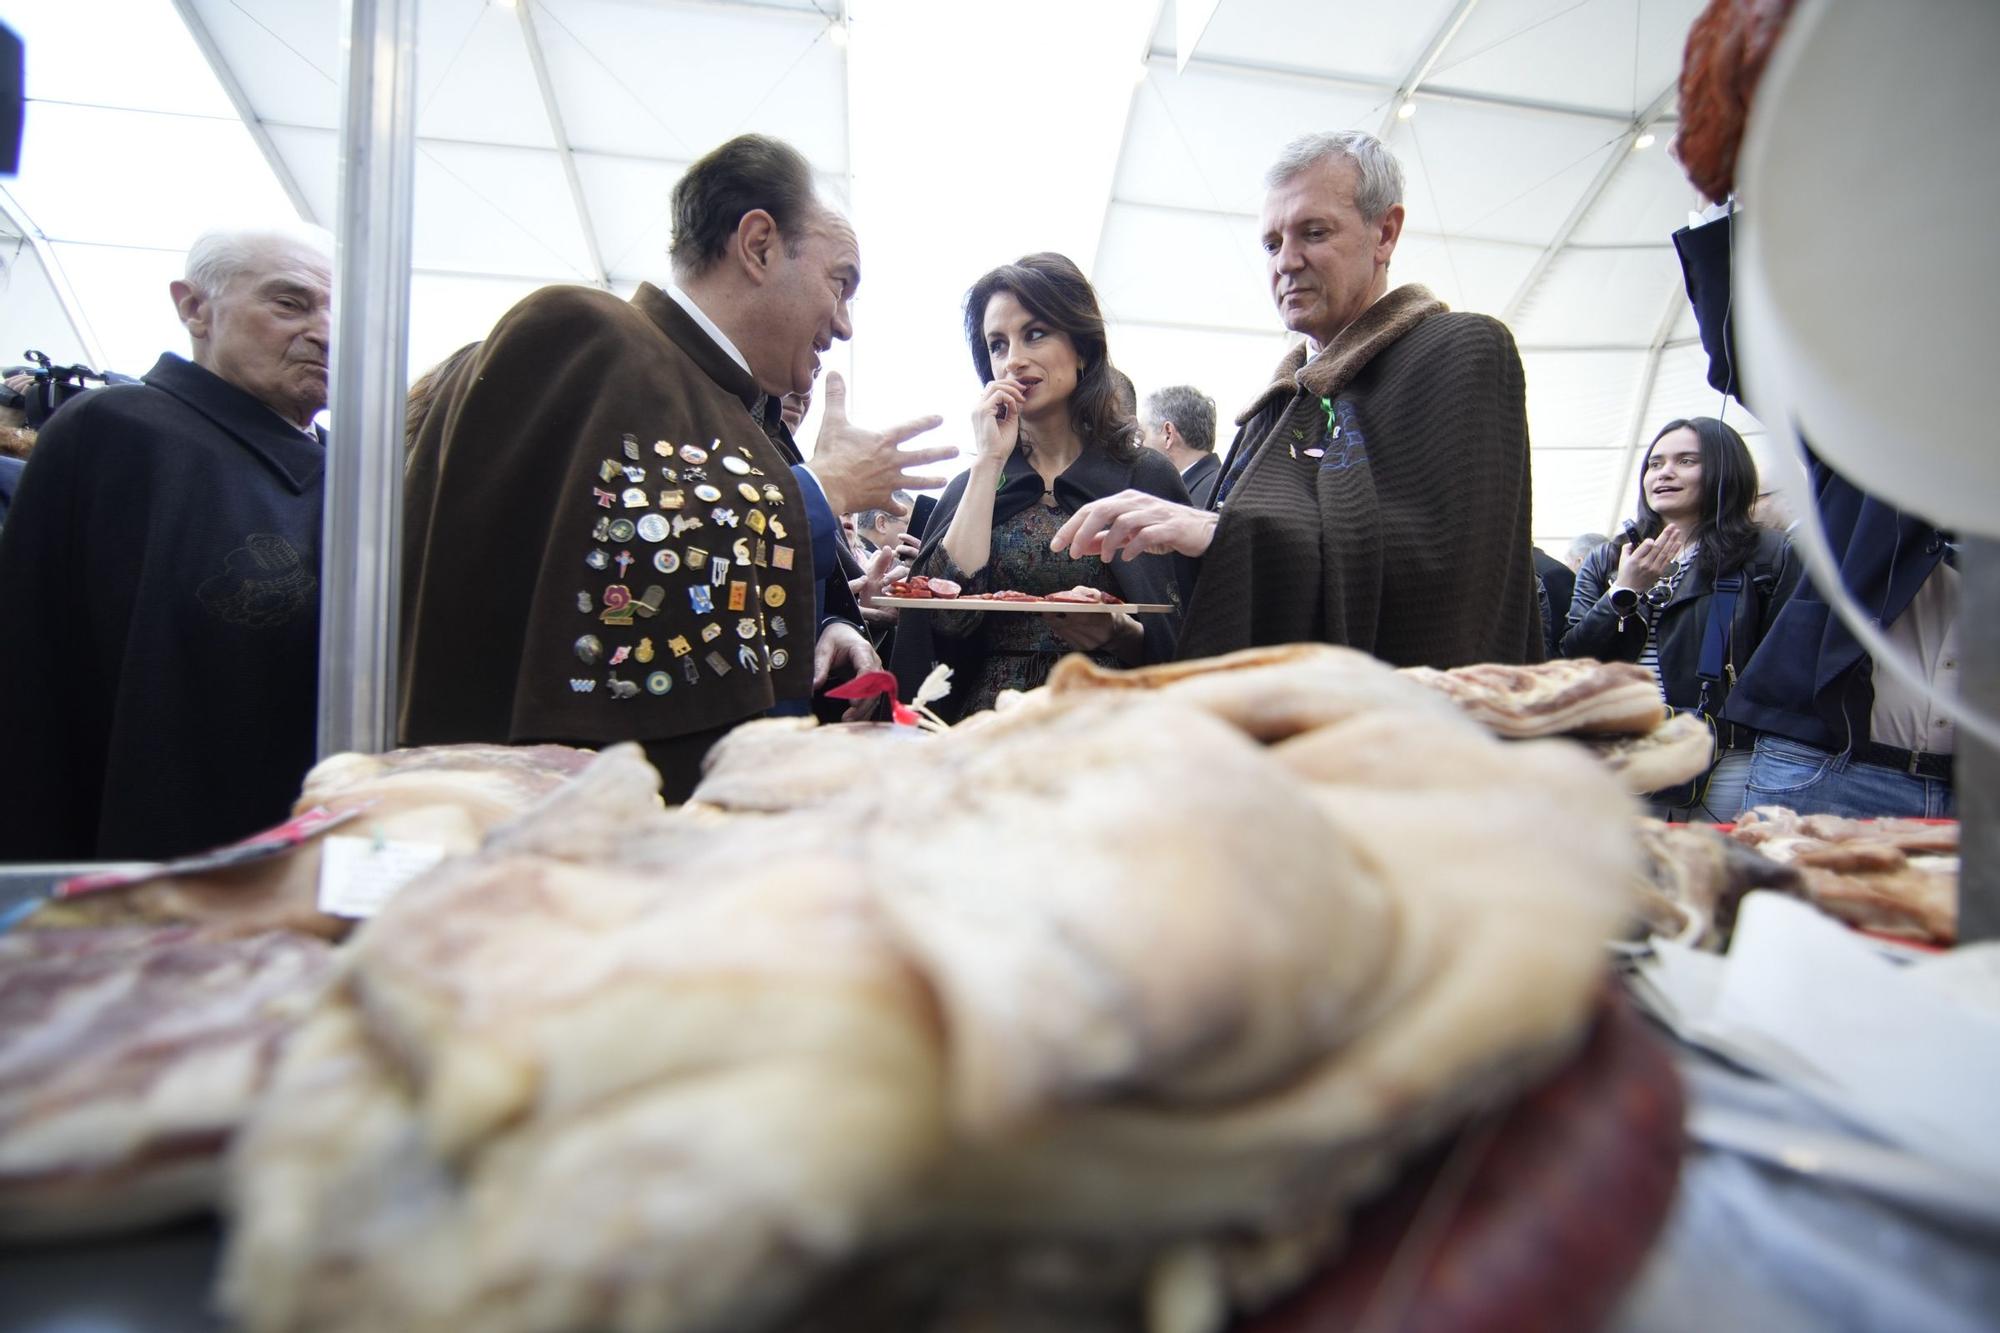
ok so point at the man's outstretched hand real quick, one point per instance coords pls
(1132, 524)
(859, 469)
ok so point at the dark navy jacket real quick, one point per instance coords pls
(159, 589)
(1809, 680)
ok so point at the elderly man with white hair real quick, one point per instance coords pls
(159, 577)
(1377, 493)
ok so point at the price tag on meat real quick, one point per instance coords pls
(358, 876)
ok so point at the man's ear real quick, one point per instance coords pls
(757, 242)
(1388, 231)
(1173, 436)
(191, 305)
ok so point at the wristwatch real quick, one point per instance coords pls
(1624, 601)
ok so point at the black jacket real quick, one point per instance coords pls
(1200, 479)
(1597, 630)
(1094, 475)
(159, 592)
(10, 481)
(1559, 582)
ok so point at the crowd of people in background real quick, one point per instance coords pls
(611, 532)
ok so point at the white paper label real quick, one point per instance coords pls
(357, 876)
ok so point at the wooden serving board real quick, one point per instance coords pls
(988, 604)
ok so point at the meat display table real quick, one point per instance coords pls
(1748, 1246)
(1749, 1243)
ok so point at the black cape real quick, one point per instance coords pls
(159, 593)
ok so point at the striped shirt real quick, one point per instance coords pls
(1653, 600)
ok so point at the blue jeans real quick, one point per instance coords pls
(1813, 781)
(1720, 797)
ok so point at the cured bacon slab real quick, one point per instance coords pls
(1693, 877)
(1272, 694)
(1576, 696)
(447, 796)
(128, 1058)
(633, 1068)
(1678, 750)
(1896, 876)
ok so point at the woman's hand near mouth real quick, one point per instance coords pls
(996, 429)
(996, 421)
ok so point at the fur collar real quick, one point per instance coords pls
(1395, 314)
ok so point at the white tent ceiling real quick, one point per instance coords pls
(551, 131)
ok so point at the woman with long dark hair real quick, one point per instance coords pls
(1050, 436)
(1689, 589)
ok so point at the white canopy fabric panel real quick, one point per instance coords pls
(527, 178)
(32, 313)
(550, 133)
(154, 89)
(132, 149)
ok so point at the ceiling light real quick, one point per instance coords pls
(1642, 142)
(837, 33)
(503, 4)
(1406, 110)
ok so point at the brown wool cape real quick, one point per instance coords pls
(503, 488)
(1401, 526)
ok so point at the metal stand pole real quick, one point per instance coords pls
(361, 564)
(1976, 770)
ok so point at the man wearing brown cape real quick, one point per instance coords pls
(602, 542)
(1377, 494)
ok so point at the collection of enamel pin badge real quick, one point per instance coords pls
(673, 499)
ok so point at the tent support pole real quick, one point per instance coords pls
(360, 568)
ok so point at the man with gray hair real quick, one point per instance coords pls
(159, 576)
(1179, 421)
(881, 528)
(1580, 548)
(1377, 492)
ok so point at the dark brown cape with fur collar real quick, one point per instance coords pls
(520, 459)
(1378, 497)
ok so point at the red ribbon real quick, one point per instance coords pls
(868, 685)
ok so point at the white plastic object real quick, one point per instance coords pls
(1864, 275)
